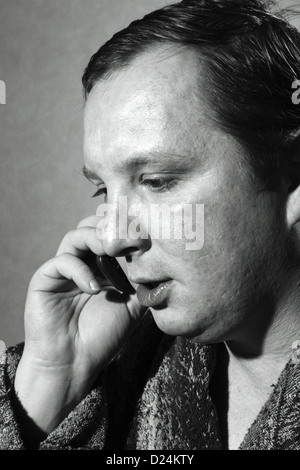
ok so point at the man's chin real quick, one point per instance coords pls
(171, 323)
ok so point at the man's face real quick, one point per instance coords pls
(153, 114)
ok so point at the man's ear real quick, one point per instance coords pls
(293, 201)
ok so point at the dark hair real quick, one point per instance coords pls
(251, 59)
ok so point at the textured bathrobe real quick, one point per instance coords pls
(155, 395)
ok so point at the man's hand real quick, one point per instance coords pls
(74, 324)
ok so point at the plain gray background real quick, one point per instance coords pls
(44, 48)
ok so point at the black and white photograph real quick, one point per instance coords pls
(150, 227)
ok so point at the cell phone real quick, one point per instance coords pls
(112, 270)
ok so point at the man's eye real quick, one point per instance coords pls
(159, 184)
(100, 191)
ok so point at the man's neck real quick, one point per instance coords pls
(255, 358)
(260, 372)
(272, 329)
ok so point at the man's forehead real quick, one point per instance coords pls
(150, 111)
(155, 99)
(160, 78)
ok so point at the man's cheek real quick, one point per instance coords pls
(165, 221)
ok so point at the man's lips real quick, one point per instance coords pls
(152, 293)
(148, 281)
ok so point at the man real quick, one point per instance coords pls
(191, 105)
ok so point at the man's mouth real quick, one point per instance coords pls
(153, 293)
(152, 285)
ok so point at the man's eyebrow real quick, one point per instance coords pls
(134, 163)
(140, 161)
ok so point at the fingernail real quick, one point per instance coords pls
(94, 285)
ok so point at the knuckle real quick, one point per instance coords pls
(87, 222)
(40, 272)
(83, 269)
(64, 243)
(62, 257)
(68, 242)
(82, 223)
(69, 235)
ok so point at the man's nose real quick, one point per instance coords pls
(118, 234)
